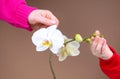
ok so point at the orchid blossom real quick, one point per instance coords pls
(69, 49)
(50, 37)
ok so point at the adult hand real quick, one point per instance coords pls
(42, 18)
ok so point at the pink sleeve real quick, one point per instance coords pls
(16, 13)
(111, 67)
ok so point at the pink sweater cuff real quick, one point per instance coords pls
(22, 14)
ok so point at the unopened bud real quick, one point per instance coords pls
(94, 35)
(88, 40)
(78, 38)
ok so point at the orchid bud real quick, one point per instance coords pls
(101, 36)
(94, 35)
(88, 40)
(78, 38)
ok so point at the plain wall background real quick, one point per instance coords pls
(19, 60)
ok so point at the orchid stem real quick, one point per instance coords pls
(51, 66)
(69, 41)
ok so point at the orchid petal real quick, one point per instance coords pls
(39, 35)
(57, 40)
(63, 54)
(41, 48)
(72, 48)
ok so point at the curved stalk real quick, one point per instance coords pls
(51, 66)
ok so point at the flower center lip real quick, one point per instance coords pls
(46, 43)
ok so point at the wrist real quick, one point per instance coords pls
(108, 56)
(22, 14)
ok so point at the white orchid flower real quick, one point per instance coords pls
(70, 49)
(49, 37)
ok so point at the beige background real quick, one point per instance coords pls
(19, 60)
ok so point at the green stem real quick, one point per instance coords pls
(69, 41)
(73, 40)
(51, 66)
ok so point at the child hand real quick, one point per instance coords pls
(42, 18)
(99, 47)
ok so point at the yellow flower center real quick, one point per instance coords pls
(46, 43)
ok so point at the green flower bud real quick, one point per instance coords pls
(88, 40)
(78, 38)
(101, 36)
(94, 35)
